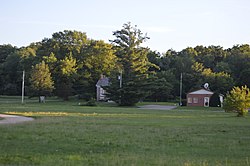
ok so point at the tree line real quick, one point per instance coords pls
(69, 63)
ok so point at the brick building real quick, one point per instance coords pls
(199, 98)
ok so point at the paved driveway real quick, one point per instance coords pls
(157, 107)
(13, 119)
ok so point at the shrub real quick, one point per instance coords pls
(238, 100)
(91, 102)
(215, 100)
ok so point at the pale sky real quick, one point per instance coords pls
(175, 24)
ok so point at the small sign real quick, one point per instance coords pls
(42, 99)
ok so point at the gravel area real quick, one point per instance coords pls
(157, 107)
(13, 119)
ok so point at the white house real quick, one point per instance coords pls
(100, 92)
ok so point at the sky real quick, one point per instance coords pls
(170, 24)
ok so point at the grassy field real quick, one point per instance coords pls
(65, 133)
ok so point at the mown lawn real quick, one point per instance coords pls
(67, 134)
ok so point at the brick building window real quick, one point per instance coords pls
(189, 100)
(195, 99)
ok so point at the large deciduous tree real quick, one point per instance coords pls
(132, 63)
(63, 53)
(66, 71)
(40, 79)
(239, 63)
(6, 50)
(97, 58)
(220, 82)
(9, 64)
(12, 72)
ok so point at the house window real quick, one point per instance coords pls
(195, 99)
(189, 100)
(102, 92)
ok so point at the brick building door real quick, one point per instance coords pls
(206, 101)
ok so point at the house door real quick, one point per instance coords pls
(206, 101)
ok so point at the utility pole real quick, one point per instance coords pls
(180, 90)
(23, 87)
(120, 79)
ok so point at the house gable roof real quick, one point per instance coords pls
(103, 82)
(201, 91)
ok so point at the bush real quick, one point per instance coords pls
(238, 100)
(184, 102)
(215, 100)
(91, 102)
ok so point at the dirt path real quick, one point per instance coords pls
(157, 107)
(13, 119)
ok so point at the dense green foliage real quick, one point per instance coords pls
(40, 79)
(215, 100)
(64, 133)
(133, 67)
(76, 63)
(238, 100)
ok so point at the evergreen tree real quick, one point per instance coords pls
(133, 66)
